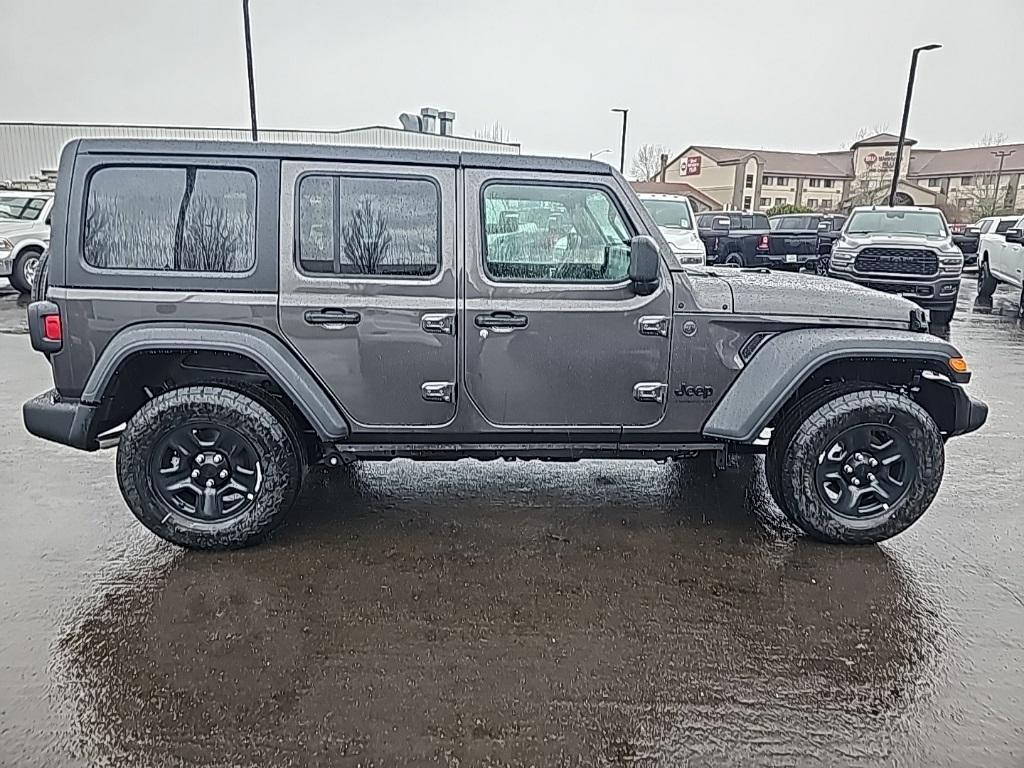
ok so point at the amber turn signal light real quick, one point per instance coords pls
(958, 364)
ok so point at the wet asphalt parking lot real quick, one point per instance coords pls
(469, 614)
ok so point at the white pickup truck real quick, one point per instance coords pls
(1000, 255)
(24, 235)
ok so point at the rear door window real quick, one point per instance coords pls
(1002, 226)
(187, 219)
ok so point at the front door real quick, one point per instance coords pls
(367, 290)
(554, 335)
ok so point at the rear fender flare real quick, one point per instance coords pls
(260, 346)
(787, 360)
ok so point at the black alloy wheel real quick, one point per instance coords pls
(205, 472)
(866, 470)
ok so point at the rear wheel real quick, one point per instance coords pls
(42, 280)
(208, 468)
(858, 469)
(986, 283)
(23, 272)
(734, 259)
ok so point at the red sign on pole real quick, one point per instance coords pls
(691, 166)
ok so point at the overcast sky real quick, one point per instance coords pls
(772, 75)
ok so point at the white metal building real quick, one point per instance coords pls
(31, 150)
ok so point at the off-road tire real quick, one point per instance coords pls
(19, 280)
(279, 460)
(788, 424)
(791, 466)
(986, 282)
(42, 277)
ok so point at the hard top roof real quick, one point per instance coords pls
(325, 153)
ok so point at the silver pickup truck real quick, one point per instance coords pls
(24, 235)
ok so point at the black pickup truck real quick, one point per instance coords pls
(734, 237)
(967, 238)
(803, 240)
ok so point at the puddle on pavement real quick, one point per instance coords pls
(598, 613)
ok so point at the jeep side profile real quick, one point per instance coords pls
(231, 314)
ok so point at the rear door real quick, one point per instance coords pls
(368, 287)
(1004, 257)
(555, 336)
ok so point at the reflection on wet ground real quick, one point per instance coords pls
(457, 614)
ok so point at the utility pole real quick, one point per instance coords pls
(1002, 155)
(248, 62)
(906, 117)
(622, 152)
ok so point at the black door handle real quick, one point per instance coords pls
(331, 317)
(501, 320)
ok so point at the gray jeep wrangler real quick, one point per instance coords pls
(231, 314)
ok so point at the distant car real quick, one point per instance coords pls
(24, 235)
(906, 250)
(738, 238)
(803, 239)
(675, 218)
(1001, 255)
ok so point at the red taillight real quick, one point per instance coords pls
(763, 245)
(53, 330)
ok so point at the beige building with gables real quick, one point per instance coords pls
(961, 181)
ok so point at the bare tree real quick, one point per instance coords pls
(494, 132)
(647, 162)
(865, 132)
(366, 239)
(993, 139)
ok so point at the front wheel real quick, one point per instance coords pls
(986, 282)
(941, 317)
(859, 469)
(208, 468)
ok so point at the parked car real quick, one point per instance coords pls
(356, 303)
(733, 237)
(966, 237)
(803, 239)
(1001, 257)
(674, 216)
(906, 250)
(24, 235)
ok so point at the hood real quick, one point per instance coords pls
(783, 293)
(912, 241)
(686, 240)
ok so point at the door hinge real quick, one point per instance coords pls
(438, 391)
(654, 325)
(438, 322)
(649, 391)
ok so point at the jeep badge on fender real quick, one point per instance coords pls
(687, 391)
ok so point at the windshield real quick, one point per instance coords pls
(21, 208)
(671, 214)
(927, 223)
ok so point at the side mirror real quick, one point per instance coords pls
(972, 231)
(643, 264)
(824, 226)
(1015, 236)
(720, 224)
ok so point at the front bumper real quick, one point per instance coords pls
(67, 422)
(6, 263)
(970, 414)
(936, 292)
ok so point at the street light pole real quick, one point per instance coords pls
(622, 152)
(248, 62)
(1002, 155)
(906, 117)
(599, 153)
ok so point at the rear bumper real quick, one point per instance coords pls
(67, 422)
(783, 260)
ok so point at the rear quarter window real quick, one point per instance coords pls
(188, 219)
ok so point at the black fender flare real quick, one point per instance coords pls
(260, 346)
(787, 360)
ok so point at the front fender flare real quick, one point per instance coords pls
(262, 347)
(787, 360)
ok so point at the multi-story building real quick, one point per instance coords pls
(963, 181)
